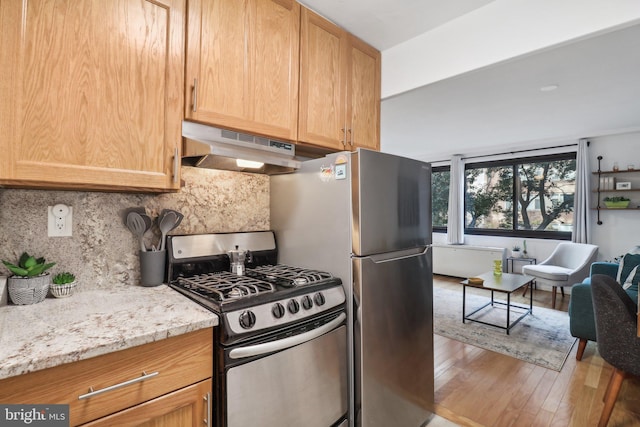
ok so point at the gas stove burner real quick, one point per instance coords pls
(235, 293)
(224, 286)
(287, 276)
(300, 281)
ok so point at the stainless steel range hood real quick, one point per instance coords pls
(215, 148)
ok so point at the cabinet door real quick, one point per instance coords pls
(91, 94)
(323, 50)
(187, 407)
(243, 65)
(363, 96)
(123, 379)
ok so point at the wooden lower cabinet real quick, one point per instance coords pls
(153, 384)
(187, 407)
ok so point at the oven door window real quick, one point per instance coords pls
(305, 385)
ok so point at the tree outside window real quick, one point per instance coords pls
(541, 189)
(440, 198)
(545, 196)
(488, 195)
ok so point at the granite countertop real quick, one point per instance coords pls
(91, 323)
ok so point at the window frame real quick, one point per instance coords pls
(536, 234)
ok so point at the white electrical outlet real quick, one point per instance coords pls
(60, 217)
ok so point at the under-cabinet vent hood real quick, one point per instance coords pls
(215, 148)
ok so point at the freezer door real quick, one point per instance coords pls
(393, 333)
(391, 202)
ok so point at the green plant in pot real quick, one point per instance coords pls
(29, 283)
(617, 202)
(63, 285)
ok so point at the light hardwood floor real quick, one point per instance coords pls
(476, 387)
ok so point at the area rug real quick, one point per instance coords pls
(542, 338)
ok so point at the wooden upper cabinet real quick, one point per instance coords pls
(363, 96)
(91, 94)
(243, 65)
(323, 51)
(339, 87)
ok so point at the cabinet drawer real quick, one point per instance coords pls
(189, 406)
(179, 361)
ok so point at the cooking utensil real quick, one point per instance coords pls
(147, 221)
(179, 216)
(124, 213)
(137, 225)
(166, 224)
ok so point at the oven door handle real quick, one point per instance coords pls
(269, 347)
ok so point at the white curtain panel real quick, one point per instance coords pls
(581, 223)
(455, 221)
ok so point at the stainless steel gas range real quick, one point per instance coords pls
(281, 347)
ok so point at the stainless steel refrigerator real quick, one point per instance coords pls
(365, 216)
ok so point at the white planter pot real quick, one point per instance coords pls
(28, 290)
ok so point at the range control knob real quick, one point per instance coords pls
(277, 310)
(319, 298)
(293, 306)
(307, 302)
(247, 319)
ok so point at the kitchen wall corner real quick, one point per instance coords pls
(102, 251)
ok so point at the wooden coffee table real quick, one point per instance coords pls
(506, 283)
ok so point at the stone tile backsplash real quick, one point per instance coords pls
(102, 251)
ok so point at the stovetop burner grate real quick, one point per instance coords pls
(224, 286)
(287, 276)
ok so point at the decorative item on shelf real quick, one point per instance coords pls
(524, 249)
(617, 202)
(63, 285)
(616, 168)
(29, 283)
(607, 183)
(623, 185)
(515, 252)
(497, 267)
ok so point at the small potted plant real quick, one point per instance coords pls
(63, 285)
(29, 283)
(515, 251)
(617, 202)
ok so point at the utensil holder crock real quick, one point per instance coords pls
(152, 266)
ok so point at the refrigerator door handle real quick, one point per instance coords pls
(399, 255)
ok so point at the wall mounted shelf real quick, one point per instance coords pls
(600, 173)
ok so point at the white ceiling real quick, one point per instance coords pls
(500, 105)
(386, 23)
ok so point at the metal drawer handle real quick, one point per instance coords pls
(268, 347)
(92, 393)
(207, 400)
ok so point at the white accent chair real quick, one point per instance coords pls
(568, 265)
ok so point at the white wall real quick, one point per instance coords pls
(497, 32)
(536, 248)
(620, 230)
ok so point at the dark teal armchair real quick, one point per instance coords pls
(581, 318)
